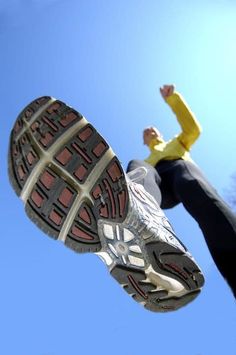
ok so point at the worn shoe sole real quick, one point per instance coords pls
(75, 190)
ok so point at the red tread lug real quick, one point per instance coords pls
(122, 202)
(50, 124)
(114, 172)
(65, 197)
(31, 157)
(104, 211)
(67, 119)
(135, 285)
(55, 217)
(54, 106)
(80, 172)
(79, 233)
(85, 134)
(45, 140)
(84, 215)
(37, 198)
(97, 192)
(21, 172)
(99, 149)
(81, 153)
(64, 156)
(111, 198)
(47, 179)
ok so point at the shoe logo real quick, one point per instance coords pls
(121, 246)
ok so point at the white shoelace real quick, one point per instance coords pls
(137, 174)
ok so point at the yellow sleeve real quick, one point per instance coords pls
(191, 128)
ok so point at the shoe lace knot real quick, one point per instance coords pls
(137, 174)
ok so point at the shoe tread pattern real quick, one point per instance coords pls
(60, 181)
(171, 261)
(135, 284)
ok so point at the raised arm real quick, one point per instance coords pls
(191, 128)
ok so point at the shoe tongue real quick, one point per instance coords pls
(137, 174)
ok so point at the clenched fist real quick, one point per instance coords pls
(167, 90)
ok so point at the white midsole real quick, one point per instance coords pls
(174, 287)
(162, 282)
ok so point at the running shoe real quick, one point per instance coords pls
(76, 191)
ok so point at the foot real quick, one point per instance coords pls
(76, 191)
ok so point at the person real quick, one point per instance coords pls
(172, 178)
(75, 190)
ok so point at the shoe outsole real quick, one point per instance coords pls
(69, 179)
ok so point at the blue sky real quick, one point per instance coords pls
(108, 59)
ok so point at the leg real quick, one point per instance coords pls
(151, 181)
(155, 185)
(216, 220)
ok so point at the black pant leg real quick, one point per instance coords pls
(151, 181)
(215, 218)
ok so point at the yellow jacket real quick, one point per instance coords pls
(179, 146)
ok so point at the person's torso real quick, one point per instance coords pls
(170, 150)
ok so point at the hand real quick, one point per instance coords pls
(167, 90)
